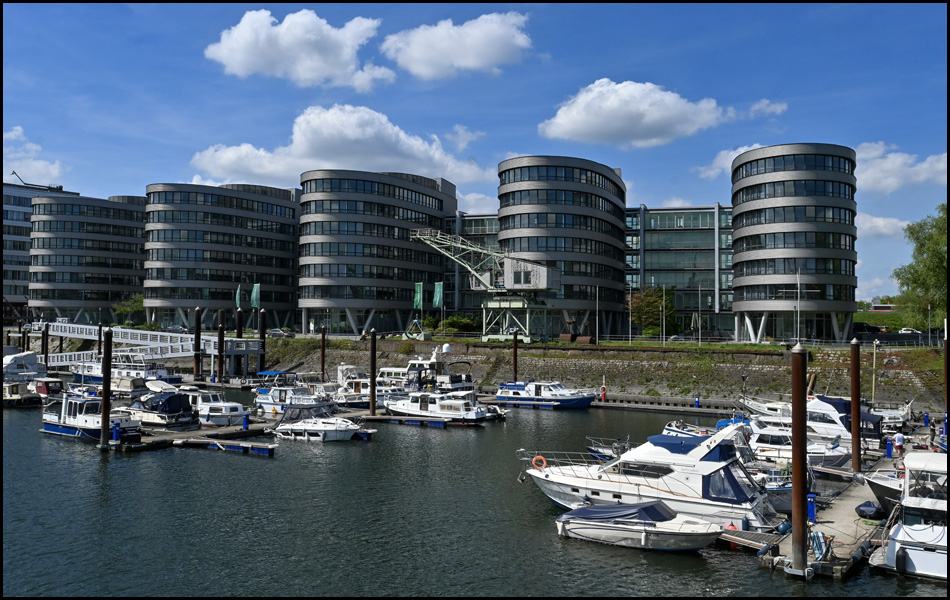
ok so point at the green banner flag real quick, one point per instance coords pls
(417, 300)
(437, 295)
(237, 297)
(256, 295)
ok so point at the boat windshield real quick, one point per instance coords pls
(729, 484)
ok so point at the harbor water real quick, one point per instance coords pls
(416, 511)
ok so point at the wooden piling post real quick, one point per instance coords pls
(856, 406)
(106, 390)
(514, 356)
(323, 353)
(799, 460)
(197, 353)
(262, 333)
(372, 372)
(239, 334)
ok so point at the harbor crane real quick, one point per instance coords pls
(511, 283)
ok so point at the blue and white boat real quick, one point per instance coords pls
(543, 394)
(280, 389)
(81, 417)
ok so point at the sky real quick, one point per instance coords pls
(105, 99)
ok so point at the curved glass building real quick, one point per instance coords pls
(569, 213)
(793, 218)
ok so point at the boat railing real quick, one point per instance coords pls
(556, 458)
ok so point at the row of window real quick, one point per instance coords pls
(193, 236)
(198, 293)
(218, 256)
(11, 200)
(222, 220)
(551, 173)
(87, 227)
(87, 210)
(371, 251)
(784, 189)
(562, 221)
(795, 214)
(225, 275)
(679, 260)
(681, 240)
(86, 261)
(357, 292)
(16, 215)
(680, 280)
(354, 228)
(793, 162)
(221, 201)
(373, 188)
(85, 278)
(573, 268)
(372, 209)
(798, 239)
(565, 197)
(794, 292)
(368, 271)
(563, 244)
(810, 266)
(60, 243)
(85, 295)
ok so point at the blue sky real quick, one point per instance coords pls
(105, 99)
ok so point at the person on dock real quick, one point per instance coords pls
(899, 444)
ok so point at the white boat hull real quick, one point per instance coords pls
(325, 430)
(677, 535)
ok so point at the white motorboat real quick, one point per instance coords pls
(458, 407)
(435, 373)
(17, 394)
(648, 525)
(49, 388)
(23, 366)
(826, 417)
(124, 364)
(312, 422)
(354, 388)
(81, 417)
(702, 478)
(211, 407)
(887, 485)
(543, 394)
(774, 443)
(280, 389)
(916, 543)
(167, 411)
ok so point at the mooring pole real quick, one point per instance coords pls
(856, 406)
(514, 356)
(262, 333)
(372, 372)
(197, 353)
(220, 351)
(104, 425)
(323, 352)
(99, 343)
(799, 458)
(44, 343)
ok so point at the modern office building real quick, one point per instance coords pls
(568, 213)
(86, 255)
(17, 213)
(358, 265)
(205, 244)
(687, 252)
(793, 217)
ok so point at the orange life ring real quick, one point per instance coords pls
(603, 389)
(538, 462)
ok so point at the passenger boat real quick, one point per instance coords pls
(17, 394)
(81, 417)
(916, 543)
(701, 478)
(648, 525)
(459, 407)
(312, 422)
(124, 364)
(546, 394)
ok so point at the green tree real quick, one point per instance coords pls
(646, 310)
(129, 307)
(923, 282)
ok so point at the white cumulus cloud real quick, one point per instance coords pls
(22, 156)
(478, 204)
(767, 107)
(722, 163)
(462, 137)
(304, 49)
(880, 169)
(339, 137)
(442, 50)
(631, 114)
(870, 226)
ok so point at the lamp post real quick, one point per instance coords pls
(630, 313)
(699, 308)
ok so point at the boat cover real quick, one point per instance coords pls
(871, 424)
(655, 511)
(676, 444)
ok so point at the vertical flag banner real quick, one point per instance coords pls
(255, 295)
(437, 295)
(237, 297)
(417, 301)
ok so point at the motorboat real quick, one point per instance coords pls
(81, 417)
(312, 422)
(774, 444)
(124, 364)
(355, 388)
(280, 389)
(458, 407)
(48, 388)
(887, 485)
(23, 366)
(826, 417)
(916, 543)
(212, 408)
(435, 373)
(543, 394)
(607, 448)
(167, 411)
(702, 478)
(648, 525)
(17, 394)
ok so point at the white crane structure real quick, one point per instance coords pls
(512, 283)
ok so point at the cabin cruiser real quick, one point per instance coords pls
(312, 422)
(916, 543)
(169, 411)
(434, 373)
(17, 394)
(81, 417)
(212, 407)
(703, 478)
(553, 393)
(354, 388)
(23, 366)
(48, 388)
(826, 417)
(458, 407)
(124, 364)
(280, 389)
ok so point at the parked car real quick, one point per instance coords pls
(908, 330)
(177, 329)
(279, 333)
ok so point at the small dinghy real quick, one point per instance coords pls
(648, 525)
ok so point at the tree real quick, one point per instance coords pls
(125, 309)
(646, 310)
(923, 282)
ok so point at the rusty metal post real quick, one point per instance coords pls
(197, 349)
(372, 372)
(323, 353)
(106, 391)
(262, 333)
(239, 333)
(220, 351)
(856, 406)
(514, 356)
(799, 459)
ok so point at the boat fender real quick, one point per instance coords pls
(900, 561)
(244, 382)
(539, 463)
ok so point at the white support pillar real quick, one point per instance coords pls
(765, 318)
